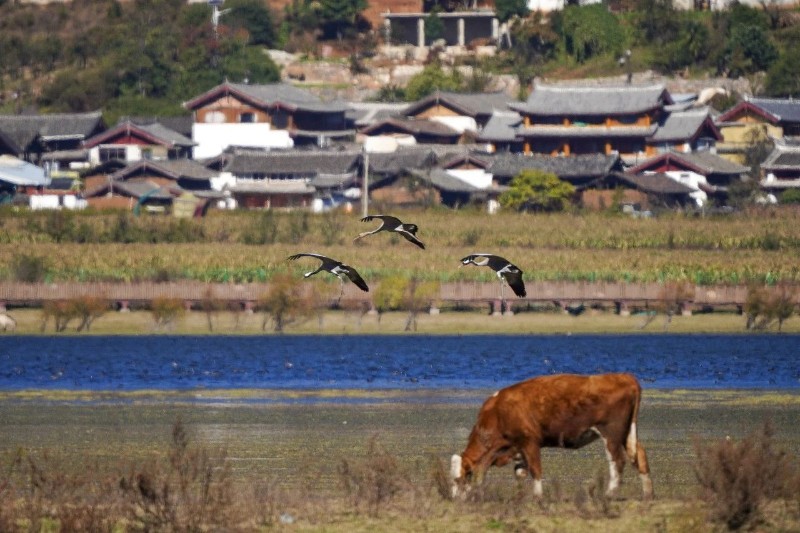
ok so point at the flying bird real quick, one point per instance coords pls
(390, 223)
(337, 268)
(504, 268)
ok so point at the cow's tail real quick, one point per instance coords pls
(632, 443)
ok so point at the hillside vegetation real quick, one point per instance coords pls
(755, 246)
(145, 57)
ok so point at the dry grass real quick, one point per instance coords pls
(755, 246)
(252, 467)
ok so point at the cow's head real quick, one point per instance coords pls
(460, 476)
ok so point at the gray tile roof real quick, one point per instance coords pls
(786, 109)
(170, 168)
(271, 94)
(363, 114)
(783, 157)
(705, 163)
(656, 183)
(576, 166)
(570, 100)
(401, 160)
(467, 104)
(683, 125)
(297, 162)
(442, 180)
(23, 129)
(274, 187)
(501, 127)
(413, 126)
(155, 132)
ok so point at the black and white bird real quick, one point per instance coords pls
(337, 268)
(390, 223)
(503, 267)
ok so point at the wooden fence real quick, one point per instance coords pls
(563, 293)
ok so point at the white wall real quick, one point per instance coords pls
(213, 139)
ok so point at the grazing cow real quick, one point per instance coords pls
(565, 411)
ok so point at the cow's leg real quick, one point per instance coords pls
(644, 472)
(531, 454)
(615, 453)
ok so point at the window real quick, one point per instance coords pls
(112, 153)
(247, 118)
(214, 117)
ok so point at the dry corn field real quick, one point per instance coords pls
(756, 246)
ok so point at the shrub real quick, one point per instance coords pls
(737, 478)
(166, 311)
(375, 480)
(29, 268)
(790, 196)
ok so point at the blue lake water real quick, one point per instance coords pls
(398, 362)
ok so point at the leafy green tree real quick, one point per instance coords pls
(690, 47)
(337, 18)
(534, 43)
(536, 190)
(255, 17)
(506, 9)
(434, 27)
(783, 77)
(657, 22)
(749, 50)
(429, 80)
(790, 196)
(590, 31)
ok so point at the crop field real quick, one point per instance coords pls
(758, 246)
(352, 461)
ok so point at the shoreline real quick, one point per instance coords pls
(594, 322)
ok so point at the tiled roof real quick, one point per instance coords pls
(413, 126)
(467, 104)
(786, 109)
(363, 114)
(701, 162)
(577, 166)
(274, 187)
(652, 183)
(268, 95)
(569, 100)
(442, 180)
(299, 162)
(23, 129)
(501, 127)
(170, 168)
(155, 133)
(683, 125)
(783, 157)
(405, 159)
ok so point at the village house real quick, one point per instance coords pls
(707, 174)
(151, 183)
(59, 135)
(756, 120)
(580, 119)
(462, 112)
(781, 169)
(130, 142)
(276, 115)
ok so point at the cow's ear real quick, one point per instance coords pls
(455, 466)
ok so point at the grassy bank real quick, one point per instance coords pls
(29, 322)
(288, 458)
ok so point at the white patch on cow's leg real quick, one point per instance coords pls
(647, 486)
(455, 475)
(537, 488)
(613, 472)
(630, 445)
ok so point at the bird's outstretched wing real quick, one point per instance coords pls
(308, 254)
(411, 237)
(388, 220)
(514, 280)
(354, 276)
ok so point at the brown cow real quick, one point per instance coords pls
(566, 411)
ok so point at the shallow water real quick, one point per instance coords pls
(397, 362)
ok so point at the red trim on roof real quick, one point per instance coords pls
(744, 107)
